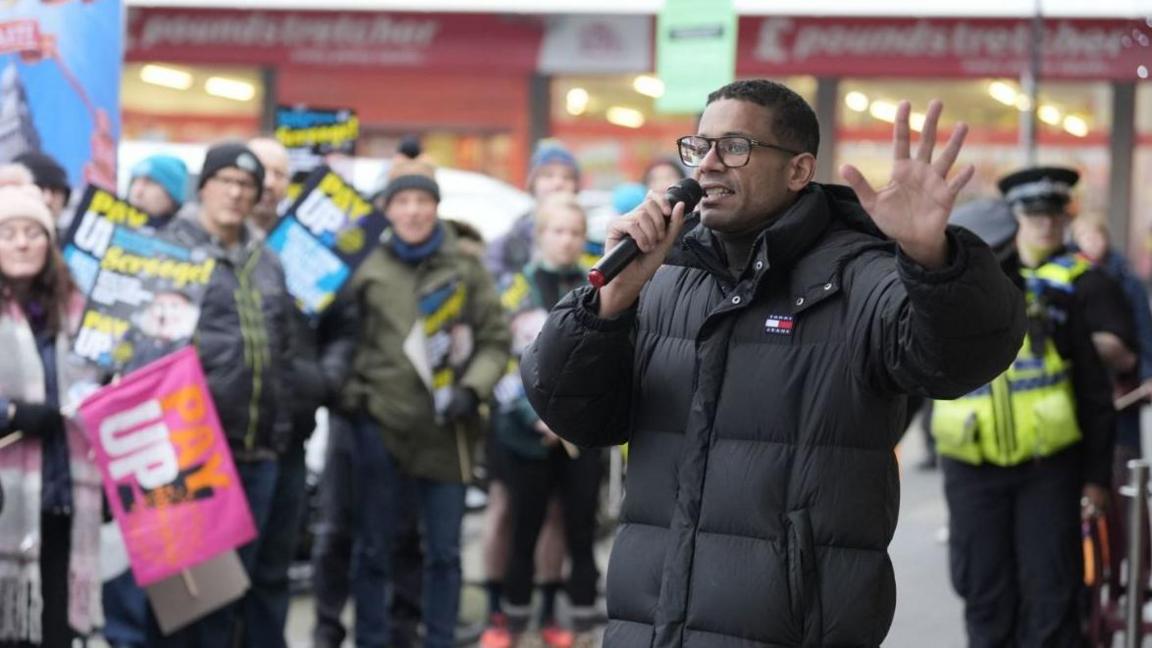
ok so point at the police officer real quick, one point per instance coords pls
(1027, 454)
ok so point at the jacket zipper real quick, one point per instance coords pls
(245, 300)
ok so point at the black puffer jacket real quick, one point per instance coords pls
(244, 340)
(762, 415)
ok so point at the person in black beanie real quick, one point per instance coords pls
(245, 343)
(51, 178)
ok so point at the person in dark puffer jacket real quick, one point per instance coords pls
(760, 373)
(244, 340)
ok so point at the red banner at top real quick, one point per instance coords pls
(345, 39)
(768, 46)
(945, 47)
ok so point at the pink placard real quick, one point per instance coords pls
(167, 471)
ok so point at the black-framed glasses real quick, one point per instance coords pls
(734, 150)
(245, 185)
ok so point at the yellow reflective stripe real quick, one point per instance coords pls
(1026, 412)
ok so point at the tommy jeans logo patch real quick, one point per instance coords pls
(778, 324)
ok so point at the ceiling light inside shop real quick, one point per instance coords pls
(1050, 114)
(883, 110)
(233, 89)
(1142, 71)
(886, 111)
(1076, 126)
(648, 85)
(857, 101)
(1023, 102)
(576, 101)
(166, 76)
(1003, 93)
(626, 117)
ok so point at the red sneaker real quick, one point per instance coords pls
(554, 636)
(496, 637)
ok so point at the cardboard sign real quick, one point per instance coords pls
(324, 237)
(168, 474)
(195, 593)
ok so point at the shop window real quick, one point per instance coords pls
(612, 126)
(181, 103)
(1072, 130)
(482, 152)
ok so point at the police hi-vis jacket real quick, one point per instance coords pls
(1056, 393)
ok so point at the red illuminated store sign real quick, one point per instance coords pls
(768, 46)
(1073, 49)
(345, 39)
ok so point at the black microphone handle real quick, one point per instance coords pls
(612, 263)
(686, 191)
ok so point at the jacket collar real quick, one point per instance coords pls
(189, 231)
(792, 234)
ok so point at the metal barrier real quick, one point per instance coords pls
(1137, 492)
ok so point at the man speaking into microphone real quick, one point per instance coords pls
(759, 364)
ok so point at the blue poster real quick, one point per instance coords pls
(324, 237)
(60, 65)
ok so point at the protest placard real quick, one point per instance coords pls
(90, 233)
(168, 475)
(143, 292)
(310, 133)
(324, 237)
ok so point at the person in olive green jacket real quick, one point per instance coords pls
(433, 344)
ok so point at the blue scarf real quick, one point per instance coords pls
(414, 254)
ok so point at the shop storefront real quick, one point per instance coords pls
(973, 66)
(459, 80)
(483, 88)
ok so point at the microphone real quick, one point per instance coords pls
(687, 191)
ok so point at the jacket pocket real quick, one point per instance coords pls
(803, 585)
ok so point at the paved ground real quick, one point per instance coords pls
(927, 610)
(926, 606)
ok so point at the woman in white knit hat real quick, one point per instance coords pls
(50, 521)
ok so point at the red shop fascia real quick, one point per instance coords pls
(437, 70)
(400, 71)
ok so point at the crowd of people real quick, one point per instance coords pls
(759, 358)
(403, 430)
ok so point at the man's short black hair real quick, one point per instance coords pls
(794, 122)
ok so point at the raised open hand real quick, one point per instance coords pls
(913, 208)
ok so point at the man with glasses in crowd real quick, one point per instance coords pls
(760, 370)
(243, 340)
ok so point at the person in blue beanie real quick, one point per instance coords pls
(553, 169)
(159, 185)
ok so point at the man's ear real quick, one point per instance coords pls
(800, 171)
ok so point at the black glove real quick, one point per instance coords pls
(36, 419)
(464, 404)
